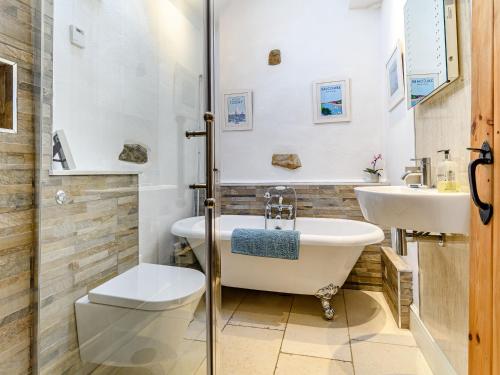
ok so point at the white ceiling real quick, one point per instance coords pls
(191, 9)
(353, 4)
(220, 4)
(364, 4)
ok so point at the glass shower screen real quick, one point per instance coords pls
(118, 293)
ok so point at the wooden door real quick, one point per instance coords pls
(496, 189)
(484, 302)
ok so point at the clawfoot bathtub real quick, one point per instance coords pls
(329, 249)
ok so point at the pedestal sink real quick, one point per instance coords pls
(423, 210)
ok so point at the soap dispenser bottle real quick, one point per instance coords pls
(447, 172)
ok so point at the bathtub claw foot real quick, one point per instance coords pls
(325, 295)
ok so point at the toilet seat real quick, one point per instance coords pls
(151, 287)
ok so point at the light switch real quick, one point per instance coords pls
(77, 36)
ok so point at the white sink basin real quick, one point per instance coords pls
(424, 210)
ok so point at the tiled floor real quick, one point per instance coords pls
(269, 333)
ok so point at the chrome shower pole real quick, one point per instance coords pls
(212, 257)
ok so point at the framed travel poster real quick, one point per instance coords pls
(420, 86)
(395, 79)
(332, 101)
(237, 110)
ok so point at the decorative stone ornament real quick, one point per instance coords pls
(134, 153)
(288, 161)
(275, 57)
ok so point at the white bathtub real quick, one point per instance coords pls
(329, 249)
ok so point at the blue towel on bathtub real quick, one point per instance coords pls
(283, 244)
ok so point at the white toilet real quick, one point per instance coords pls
(139, 317)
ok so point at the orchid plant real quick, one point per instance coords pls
(373, 169)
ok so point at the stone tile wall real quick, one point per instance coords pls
(397, 286)
(83, 243)
(16, 196)
(443, 122)
(328, 201)
(444, 293)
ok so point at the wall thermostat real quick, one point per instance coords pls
(77, 36)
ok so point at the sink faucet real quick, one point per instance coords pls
(423, 170)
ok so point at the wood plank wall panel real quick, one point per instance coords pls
(83, 243)
(16, 196)
(328, 201)
(481, 257)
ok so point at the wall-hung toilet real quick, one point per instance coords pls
(139, 317)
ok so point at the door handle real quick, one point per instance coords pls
(195, 133)
(485, 158)
(208, 133)
(208, 117)
(197, 186)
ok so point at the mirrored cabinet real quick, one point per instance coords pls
(431, 51)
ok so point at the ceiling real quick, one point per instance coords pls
(364, 4)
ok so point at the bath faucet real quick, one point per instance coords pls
(423, 171)
(275, 199)
(280, 208)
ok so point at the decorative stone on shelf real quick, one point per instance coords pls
(288, 161)
(134, 153)
(275, 57)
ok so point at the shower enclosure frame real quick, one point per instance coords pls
(212, 209)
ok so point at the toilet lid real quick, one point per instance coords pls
(151, 287)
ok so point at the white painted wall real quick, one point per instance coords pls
(247, 31)
(398, 128)
(135, 81)
(318, 39)
(399, 133)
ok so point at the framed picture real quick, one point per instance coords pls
(237, 110)
(395, 78)
(332, 101)
(420, 86)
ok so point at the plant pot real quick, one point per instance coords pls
(373, 178)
